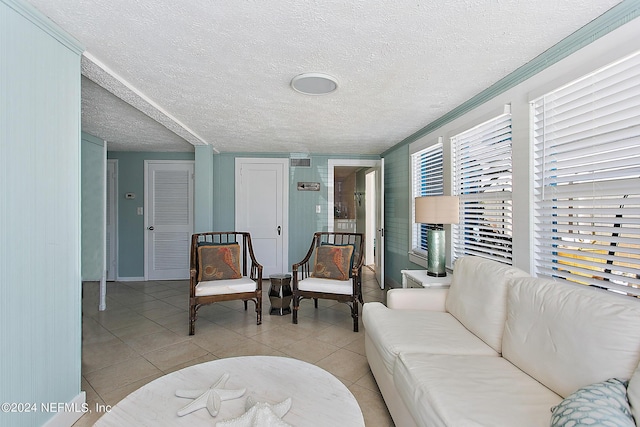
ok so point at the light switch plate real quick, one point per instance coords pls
(318, 209)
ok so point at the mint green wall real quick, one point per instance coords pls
(303, 219)
(396, 214)
(130, 224)
(93, 208)
(40, 294)
(203, 190)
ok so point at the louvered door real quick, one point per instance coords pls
(168, 219)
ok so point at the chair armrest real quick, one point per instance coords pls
(432, 299)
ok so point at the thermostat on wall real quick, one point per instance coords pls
(130, 196)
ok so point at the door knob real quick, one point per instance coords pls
(279, 230)
(150, 228)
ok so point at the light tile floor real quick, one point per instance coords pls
(143, 334)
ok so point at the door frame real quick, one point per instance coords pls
(378, 165)
(285, 199)
(331, 164)
(114, 222)
(145, 208)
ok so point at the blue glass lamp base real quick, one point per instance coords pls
(436, 253)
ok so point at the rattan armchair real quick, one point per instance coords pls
(325, 272)
(219, 272)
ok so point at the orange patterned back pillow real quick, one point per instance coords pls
(218, 262)
(333, 262)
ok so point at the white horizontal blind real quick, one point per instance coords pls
(587, 179)
(426, 166)
(482, 170)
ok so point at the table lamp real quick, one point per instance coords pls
(436, 211)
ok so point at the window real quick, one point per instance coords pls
(482, 176)
(426, 167)
(587, 179)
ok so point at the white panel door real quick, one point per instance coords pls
(261, 209)
(168, 219)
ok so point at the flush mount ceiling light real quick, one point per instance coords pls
(314, 83)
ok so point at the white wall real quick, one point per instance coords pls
(40, 302)
(609, 48)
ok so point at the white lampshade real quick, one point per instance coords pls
(437, 210)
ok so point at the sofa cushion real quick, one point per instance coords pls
(633, 393)
(444, 390)
(568, 336)
(603, 403)
(395, 331)
(478, 296)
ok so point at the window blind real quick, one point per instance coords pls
(587, 179)
(482, 170)
(426, 166)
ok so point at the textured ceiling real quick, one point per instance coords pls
(171, 74)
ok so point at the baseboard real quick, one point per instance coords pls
(75, 409)
(130, 279)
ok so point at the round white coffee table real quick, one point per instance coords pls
(318, 398)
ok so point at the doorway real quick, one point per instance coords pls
(358, 208)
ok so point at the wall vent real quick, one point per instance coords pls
(300, 163)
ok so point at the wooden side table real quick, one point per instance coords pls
(420, 278)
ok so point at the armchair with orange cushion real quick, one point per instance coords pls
(332, 269)
(219, 272)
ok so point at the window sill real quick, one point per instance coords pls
(418, 259)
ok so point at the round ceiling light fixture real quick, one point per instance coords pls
(314, 83)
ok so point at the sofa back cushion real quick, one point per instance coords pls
(568, 336)
(478, 297)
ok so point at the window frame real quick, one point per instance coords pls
(474, 234)
(432, 185)
(586, 191)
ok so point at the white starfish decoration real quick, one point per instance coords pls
(260, 414)
(210, 398)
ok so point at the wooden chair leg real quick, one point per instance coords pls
(294, 315)
(259, 311)
(315, 302)
(192, 320)
(354, 314)
(245, 305)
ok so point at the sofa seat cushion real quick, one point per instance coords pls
(445, 390)
(330, 286)
(225, 286)
(437, 332)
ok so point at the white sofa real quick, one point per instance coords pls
(499, 348)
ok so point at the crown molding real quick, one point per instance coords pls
(45, 24)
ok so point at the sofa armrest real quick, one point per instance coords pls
(432, 299)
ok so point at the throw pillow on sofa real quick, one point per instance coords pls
(603, 403)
